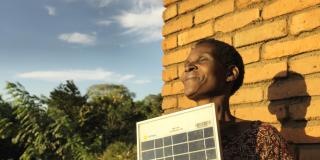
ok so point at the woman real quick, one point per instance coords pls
(213, 72)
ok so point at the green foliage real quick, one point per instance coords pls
(68, 125)
(7, 130)
(150, 106)
(28, 123)
(67, 98)
(109, 114)
(120, 151)
(110, 91)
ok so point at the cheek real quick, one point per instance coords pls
(191, 86)
(214, 80)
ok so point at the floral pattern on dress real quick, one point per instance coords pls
(260, 141)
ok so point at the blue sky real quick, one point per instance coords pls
(45, 42)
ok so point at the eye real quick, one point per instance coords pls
(203, 59)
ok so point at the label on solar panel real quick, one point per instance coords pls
(190, 134)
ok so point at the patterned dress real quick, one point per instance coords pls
(258, 141)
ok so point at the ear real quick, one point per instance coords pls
(232, 73)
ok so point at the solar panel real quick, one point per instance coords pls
(190, 134)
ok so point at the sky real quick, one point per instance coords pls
(45, 42)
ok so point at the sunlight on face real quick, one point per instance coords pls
(204, 76)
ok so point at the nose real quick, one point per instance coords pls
(190, 67)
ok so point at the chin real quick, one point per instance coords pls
(192, 96)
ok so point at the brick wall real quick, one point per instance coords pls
(279, 41)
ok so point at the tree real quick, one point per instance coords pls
(8, 150)
(28, 124)
(120, 151)
(67, 98)
(150, 106)
(43, 133)
(68, 125)
(64, 107)
(112, 108)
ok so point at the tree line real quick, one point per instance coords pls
(68, 125)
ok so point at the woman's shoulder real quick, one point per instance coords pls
(265, 134)
(255, 140)
(266, 129)
(270, 143)
(260, 128)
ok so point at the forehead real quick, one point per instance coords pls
(202, 49)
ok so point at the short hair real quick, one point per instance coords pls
(228, 56)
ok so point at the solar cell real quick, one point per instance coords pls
(187, 139)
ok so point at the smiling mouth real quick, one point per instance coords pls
(192, 77)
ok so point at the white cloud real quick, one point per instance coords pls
(51, 10)
(104, 22)
(77, 75)
(144, 20)
(78, 38)
(142, 81)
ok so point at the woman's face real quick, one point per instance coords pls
(204, 75)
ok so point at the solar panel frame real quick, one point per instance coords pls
(206, 136)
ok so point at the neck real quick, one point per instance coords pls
(222, 107)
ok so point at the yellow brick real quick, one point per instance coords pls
(169, 42)
(305, 65)
(250, 54)
(168, 2)
(313, 130)
(236, 20)
(245, 3)
(184, 102)
(313, 88)
(254, 113)
(170, 12)
(265, 71)
(177, 24)
(281, 7)
(171, 110)
(166, 89)
(257, 34)
(169, 102)
(176, 56)
(291, 47)
(188, 5)
(224, 38)
(195, 34)
(214, 10)
(170, 73)
(177, 88)
(305, 21)
(247, 95)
